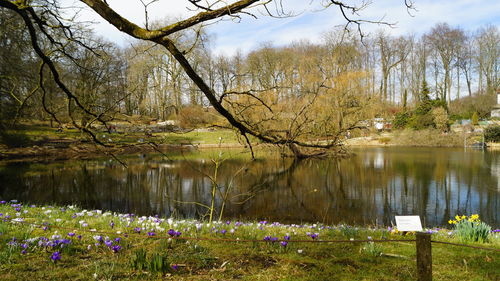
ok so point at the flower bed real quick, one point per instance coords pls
(71, 243)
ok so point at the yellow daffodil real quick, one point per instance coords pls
(474, 218)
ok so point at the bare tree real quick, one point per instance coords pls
(391, 54)
(446, 41)
(488, 41)
(38, 15)
(466, 62)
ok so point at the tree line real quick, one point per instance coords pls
(285, 95)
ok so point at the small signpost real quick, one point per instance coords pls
(408, 223)
(424, 249)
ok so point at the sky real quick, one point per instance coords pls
(310, 20)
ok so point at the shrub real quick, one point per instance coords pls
(465, 107)
(196, 116)
(419, 122)
(440, 118)
(475, 118)
(401, 119)
(492, 134)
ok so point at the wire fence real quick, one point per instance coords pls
(237, 240)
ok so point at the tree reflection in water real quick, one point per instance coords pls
(369, 188)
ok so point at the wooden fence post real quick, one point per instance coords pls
(424, 256)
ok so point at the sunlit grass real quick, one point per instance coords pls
(38, 133)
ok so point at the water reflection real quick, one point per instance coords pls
(369, 188)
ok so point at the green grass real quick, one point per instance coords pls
(38, 133)
(201, 137)
(218, 260)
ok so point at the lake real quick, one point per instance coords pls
(369, 188)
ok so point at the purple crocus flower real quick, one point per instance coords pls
(283, 243)
(79, 237)
(151, 233)
(13, 242)
(496, 231)
(71, 234)
(108, 243)
(18, 209)
(267, 238)
(116, 248)
(175, 267)
(112, 224)
(314, 235)
(118, 239)
(137, 229)
(287, 237)
(65, 242)
(2, 202)
(172, 232)
(56, 256)
(223, 231)
(274, 239)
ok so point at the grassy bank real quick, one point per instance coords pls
(40, 134)
(61, 243)
(43, 142)
(429, 137)
(420, 138)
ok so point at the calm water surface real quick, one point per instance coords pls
(369, 188)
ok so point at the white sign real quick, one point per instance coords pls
(408, 223)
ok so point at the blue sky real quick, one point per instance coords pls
(310, 22)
